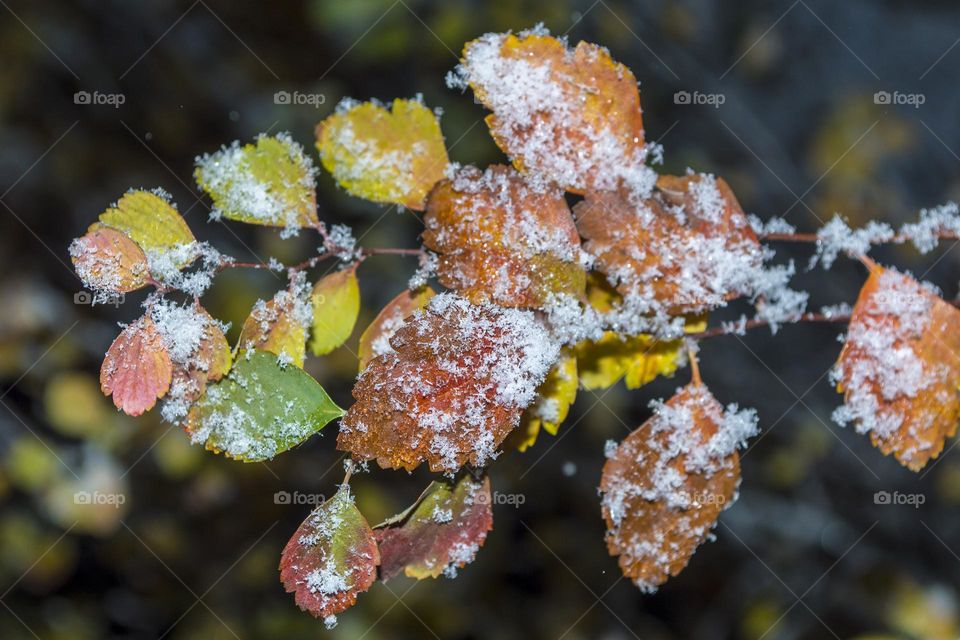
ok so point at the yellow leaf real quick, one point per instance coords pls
(278, 326)
(336, 305)
(270, 182)
(384, 156)
(150, 220)
(554, 398)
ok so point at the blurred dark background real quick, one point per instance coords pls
(193, 550)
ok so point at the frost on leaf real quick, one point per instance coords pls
(900, 367)
(331, 558)
(452, 389)
(554, 397)
(271, 182)
(375, 339)
(503, 240)
(393, 156)
(439, 533)
(108, 261)
(567, 116)
(260, 409)
(665, 485)
(336, 305)
(280, 325)
(686, 249)
(150, 219)
(137, 369)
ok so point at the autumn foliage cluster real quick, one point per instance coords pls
(575, 266)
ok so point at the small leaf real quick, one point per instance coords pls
(150, 220)
(270, 183)
(442, 531)
(137, 368)
(554, 398)
(336, 306)
(503, 240)
(567, 116)
(260, 409)
(107, 260)
(331, 558)
(210, 361)
(900, 368)
(375, 340)
(279, 326)
(384, 156)
(453, 388)
(688, 246)
(666, 484)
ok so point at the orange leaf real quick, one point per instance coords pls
(279, 326)
(107, 260)
(455, 385)
(503, 240)
(375, 340)
(666, 484)
(900, 367)
(571, 117)
(137, 369)
(689, 246)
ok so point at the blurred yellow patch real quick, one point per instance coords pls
(74, 405)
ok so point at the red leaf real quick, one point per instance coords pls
(137, 368)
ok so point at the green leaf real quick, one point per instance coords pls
(336, 305)
(260, 409)
(269, 183)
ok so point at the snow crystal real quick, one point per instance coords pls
(942, 220)
(836, 237)
(342, 243)
(428, 263)
(168, 266)
(771, 226)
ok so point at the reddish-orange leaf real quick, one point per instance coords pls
(503, 240)
(455, 385)
(666, 484)
(689, 246)
(900, 367)
(209, 362)
(137, 369)
(375, 340)
(331, 558)
(107, 260)
(571, 117)
(439, 533)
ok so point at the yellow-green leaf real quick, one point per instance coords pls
(554, 398)
(336, 305)
(270, 182)
(150, 220)
(385, 156)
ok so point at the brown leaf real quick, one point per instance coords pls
(137, 369)
(503, 240)
(331, 558)
(689, 246)
(900, 367)
(439, 533)
(665, 485)
(571, 117)
(453, 388)
(375, 340)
